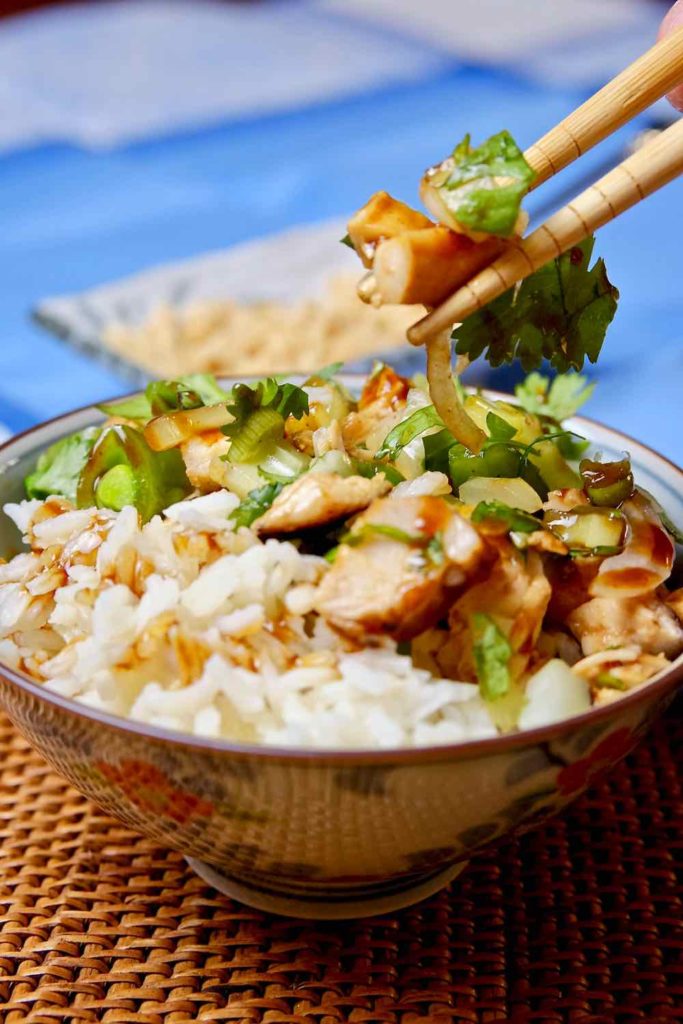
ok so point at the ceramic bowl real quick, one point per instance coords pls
(326, 834)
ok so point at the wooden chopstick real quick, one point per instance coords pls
(629, 93)
(658, 71)
(652, 166)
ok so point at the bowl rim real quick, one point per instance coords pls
(469, 749)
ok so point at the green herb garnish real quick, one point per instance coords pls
(136, 407)
(514, 519)
(492, 653)
(558, 399)
(369, 530)
(371, 467)
(608, 681)
(284, 399)
(485, 186)
(407, 430)
(121, 469)
(256, 504)
(58, 469)
(560, 313)
(188, 392)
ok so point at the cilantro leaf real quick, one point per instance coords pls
(558, 399)
(187, 392)
(492, 653)
(256, 504)
(136, 407)
(513, 518)
(407, 430)
(560, 313)
(59, 468)
(284, 399)
(171, 396)
(484, 187)
(290, 400)
(206, 386)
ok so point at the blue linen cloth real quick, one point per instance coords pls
(74, 217)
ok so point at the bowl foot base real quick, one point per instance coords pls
(317, 908)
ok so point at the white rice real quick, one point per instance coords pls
(188, 624)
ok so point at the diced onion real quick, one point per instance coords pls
(333, 462)
(261, 430)
(512, 491)
(553, 694)
(241, 478)
(173, 428)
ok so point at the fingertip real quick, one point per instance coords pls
(673, 19)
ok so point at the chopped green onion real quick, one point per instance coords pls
(607, 484)
(587, 530)
(283, 464)
(259, 432)
(368, 530)
(514, 519)
(496, 460)
(371, 467)
(436, 449)
(492, 652)
(608, 681)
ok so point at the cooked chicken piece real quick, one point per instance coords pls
(385, 386)
(565, 500)
(380, 408)
(570, 579)
(542, 540)
(319, 498)
(632, 675)
(426, 266)
(605, 622)
(515, 594)
(675, 603)
(203, 462)
(388, 584)
(382, 217)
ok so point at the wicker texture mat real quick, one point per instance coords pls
(581, 922)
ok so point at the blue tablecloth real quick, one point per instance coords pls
(71, 218)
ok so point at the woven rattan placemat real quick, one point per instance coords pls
(580, 922)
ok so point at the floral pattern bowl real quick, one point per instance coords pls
(326, 834)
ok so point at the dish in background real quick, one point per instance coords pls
(210, 300)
